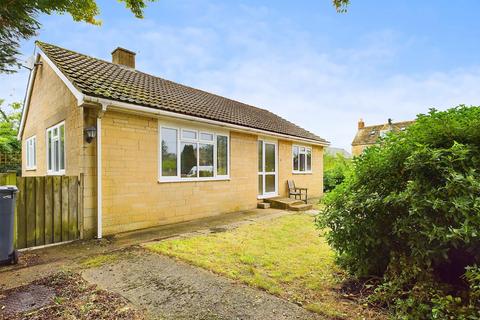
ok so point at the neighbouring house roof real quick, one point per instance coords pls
(370, 134)
(98, 78)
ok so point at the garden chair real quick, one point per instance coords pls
(298, 193)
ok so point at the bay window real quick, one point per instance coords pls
(56, 149)
(302, 159)
(189, 154)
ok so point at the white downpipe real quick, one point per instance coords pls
(99, 172)
(99, 177)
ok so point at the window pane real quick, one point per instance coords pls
(260, 156)
(269, 183)
(302, 162)
(260, 184)
(309, 160)
(188, 134)
(34, 153)
(62, 148)
(49, 152)
(56, 150)
(206, 136)
(188, 160)
(206, 160)
(269, 157)
(222, 155)
(169, 152)
(295, 158)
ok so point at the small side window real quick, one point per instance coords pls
(31, 152)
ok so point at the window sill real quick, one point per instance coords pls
(306, 172)
(31, 169)
(61, 173)
(192, 180)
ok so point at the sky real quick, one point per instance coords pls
(299, 59)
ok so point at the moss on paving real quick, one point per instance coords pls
(287, 257)
(100, 260)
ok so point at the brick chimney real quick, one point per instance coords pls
(123, 57)
(361, 124)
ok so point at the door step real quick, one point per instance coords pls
(288, 204)
(263, 205)
(300, 207)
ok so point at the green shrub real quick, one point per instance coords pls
(335, 170)
(410, 212)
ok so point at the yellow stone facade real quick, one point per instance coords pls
(133, 198)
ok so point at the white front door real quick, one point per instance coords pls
(267, 169)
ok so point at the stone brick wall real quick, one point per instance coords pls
(132, 196)
(358, 149)
(313, 181)
(52, 102)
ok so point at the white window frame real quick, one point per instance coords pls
(31, 147)
(263, 173)
(57, 126)
(180, 129)
(305, 149)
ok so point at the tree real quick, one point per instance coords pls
(19, 21)
(9, 123)
(341, 5)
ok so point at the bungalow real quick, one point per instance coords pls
(151, 151)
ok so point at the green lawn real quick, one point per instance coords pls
(286, 257)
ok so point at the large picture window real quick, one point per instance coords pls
(188, 154)
(56, 149)
(31, 152)
(302, 159)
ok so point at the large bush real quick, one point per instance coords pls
(410, 213)
(335, 168)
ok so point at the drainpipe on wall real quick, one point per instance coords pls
(99, 170)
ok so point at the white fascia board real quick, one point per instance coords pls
(26, 100)
(65, 80)
(123, 106)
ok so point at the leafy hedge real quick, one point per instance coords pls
(335, 170)
(410, 213)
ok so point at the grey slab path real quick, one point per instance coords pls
(169, 289)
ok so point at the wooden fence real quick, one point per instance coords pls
(48, 209)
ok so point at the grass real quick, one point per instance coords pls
(287, 257)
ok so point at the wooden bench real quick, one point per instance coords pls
(298, 193)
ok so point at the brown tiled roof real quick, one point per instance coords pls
(99, 78)
(369, 135)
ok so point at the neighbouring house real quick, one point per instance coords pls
(151, 151)
(370, 135)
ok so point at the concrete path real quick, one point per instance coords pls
(36, 264)
(169, 289)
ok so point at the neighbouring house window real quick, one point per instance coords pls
(31, 152)
(302, 159)
(188, 154)
(56, 149)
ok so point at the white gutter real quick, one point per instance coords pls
(122, 106)
(99, 172)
